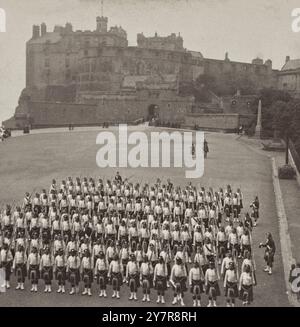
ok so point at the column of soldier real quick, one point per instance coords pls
(115, 232)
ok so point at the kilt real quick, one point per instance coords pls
(228, 207)
(236, 207)
(149, 278)
(20, 230)
(234, 287)
(118, 276)
(134, 239)
(102, 211)
(110, 237)
(23, 269)
(163, 281)
(197, 283)
(56, 232)
(89, 274)
(136, 277)
(124, 262)
(215, 285)
(7, 268)
(249, 289)
(47, 270)
(34, 268)
(103, 274)
(223, 245)
(182, 282)
(8, 228)
(77, 275)
(63, 272)
(255, 214)
(269, 257)
(246, 248)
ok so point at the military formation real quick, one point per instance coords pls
(154, 237)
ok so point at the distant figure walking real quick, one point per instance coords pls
(193, 149)
(205, 148)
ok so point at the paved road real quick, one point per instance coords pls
(30, 162)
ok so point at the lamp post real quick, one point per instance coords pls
(287, 148)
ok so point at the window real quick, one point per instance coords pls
(47, 62)
(86, 52)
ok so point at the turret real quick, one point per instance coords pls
(269, 63)
(35, 31)
(43, 29)
(68, 28)
(102, 24)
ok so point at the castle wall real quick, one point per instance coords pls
(261, 74)
(224, 122)
(112, 110)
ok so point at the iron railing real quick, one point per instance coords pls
(295, 155)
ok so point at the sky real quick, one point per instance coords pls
(245, 29)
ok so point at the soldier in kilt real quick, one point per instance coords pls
(101, 270)
(73, 265)
(132, 274)
(46, 268)
(19, 266)
(211, 283)
(160, 279)
(196, 278)
(60, 270)
(33, 263)
(6, 262)
(178, 279)
(246, 286)
(115, 274)
(230, 284)
(146, 278)
(87, 272)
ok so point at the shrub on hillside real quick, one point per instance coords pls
(286, 172)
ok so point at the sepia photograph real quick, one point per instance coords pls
(149, 155)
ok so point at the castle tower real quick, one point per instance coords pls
(43, 29)
(102, 24)
(35, 31)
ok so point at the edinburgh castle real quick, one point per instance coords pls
(92, 77)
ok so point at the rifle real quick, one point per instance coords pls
(253, 261)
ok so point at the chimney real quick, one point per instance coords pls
(287, 58)
(43, 29)
(35, 31)
(69, 28)
(226, 56)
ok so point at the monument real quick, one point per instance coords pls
(258, 127)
